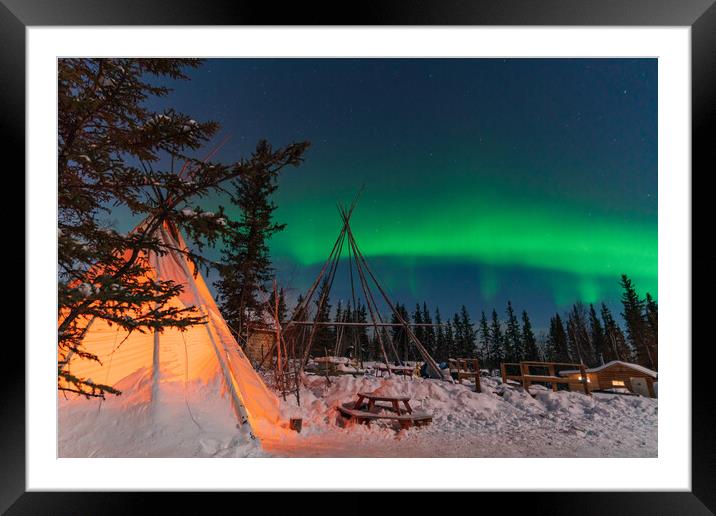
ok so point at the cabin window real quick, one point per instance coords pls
(618, 383)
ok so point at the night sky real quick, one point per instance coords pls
(485, 180)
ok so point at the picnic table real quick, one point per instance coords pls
(372, 398)
(365, 414)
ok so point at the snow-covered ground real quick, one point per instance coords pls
(502, 421)
(196, 421)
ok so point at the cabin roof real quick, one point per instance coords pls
(636, 367)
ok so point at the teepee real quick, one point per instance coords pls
(366, 279)
(154, 369)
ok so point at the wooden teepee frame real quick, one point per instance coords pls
(366, 277)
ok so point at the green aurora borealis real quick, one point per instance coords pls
(484, 180)
(490, 230)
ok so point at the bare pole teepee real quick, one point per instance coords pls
(365, 276)
(362, 263)
(370, 301)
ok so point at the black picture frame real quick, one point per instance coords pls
(700, 15)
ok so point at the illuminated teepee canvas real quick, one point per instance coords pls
(169, 368)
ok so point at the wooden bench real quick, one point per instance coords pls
(405, 420)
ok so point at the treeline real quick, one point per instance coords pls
(586, 333)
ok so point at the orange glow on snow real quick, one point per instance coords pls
(201, 353)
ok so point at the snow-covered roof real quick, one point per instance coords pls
(636, 367)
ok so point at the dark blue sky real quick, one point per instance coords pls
(485, 180)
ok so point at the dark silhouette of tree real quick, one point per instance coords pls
(450, 339)
(418, 330)
(398, 333)
(636, 325)
(468, 343)
(557, 340)
(618, 345)
(111, 150)
(485, 353)
(429, 332)
(497, 350)
(441, 343)
(529, 342)
(513, 338)
(245, 270)
(580, 348)
(324, 338)
(599, 339)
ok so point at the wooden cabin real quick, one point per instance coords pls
(259, 343)
(617, 375)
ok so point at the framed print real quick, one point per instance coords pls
(411, 249)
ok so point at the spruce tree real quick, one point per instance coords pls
(324, 337)
(580, 345)
(529, 342)
(459, 337)
(513, 339)
(485, 350)
(557, 340)
(599, 341)
(618, 346)
(361, 316)
(449, 340)
(543, 347)
(441, 353)
(112, 151)
(636, 325)
(429, 332)
(468, 334)
(497, 349)
(398, 333)
(245, 263)
(342, 343)
(418, 330)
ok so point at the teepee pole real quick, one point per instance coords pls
(367, 290)
(366, 293)
(324, 295)
(426, 356)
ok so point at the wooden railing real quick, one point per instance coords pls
(466, 368)
(526, 377)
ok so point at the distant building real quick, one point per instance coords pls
(258, 343)
(617, 375)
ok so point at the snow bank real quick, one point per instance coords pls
(195, 420)
(501, 421)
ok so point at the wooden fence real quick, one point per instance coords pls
(527, 377)
(466, 368)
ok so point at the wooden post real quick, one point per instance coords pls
(524, 371)
(504, 373)
(552, 372)
(278, 329)
(583, 373)
(478, 387)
